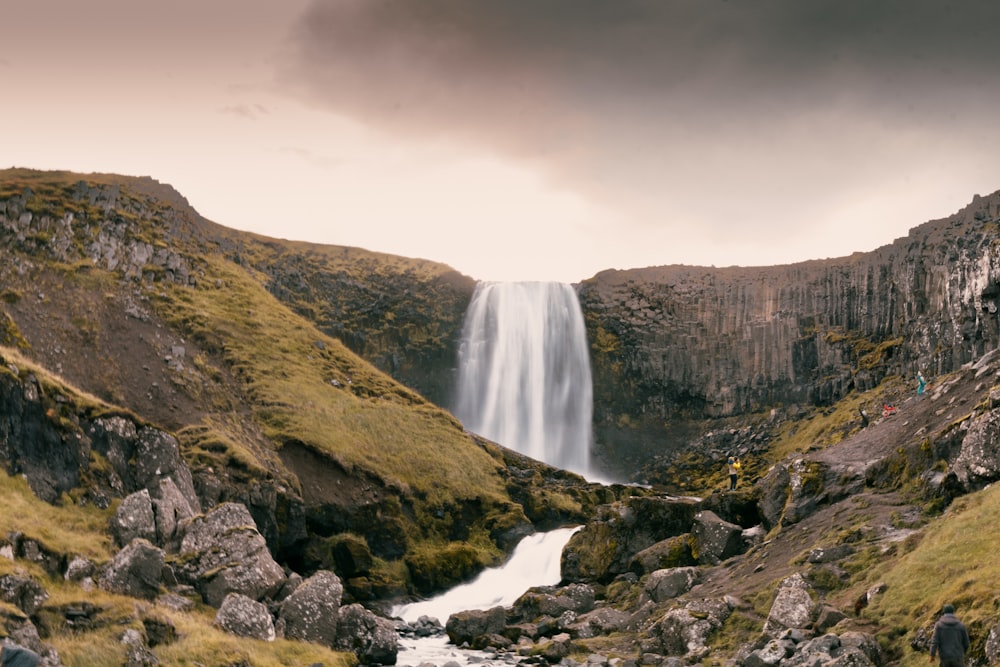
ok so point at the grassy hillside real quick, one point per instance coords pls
(121, 287)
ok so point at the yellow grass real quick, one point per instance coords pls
(308, 387)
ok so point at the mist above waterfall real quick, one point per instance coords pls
(524, 372)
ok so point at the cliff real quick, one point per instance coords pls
(678, 343)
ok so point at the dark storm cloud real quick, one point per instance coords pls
(434, 61)
(617, 97)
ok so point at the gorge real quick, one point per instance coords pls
(205, 391)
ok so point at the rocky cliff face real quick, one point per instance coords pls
(677, 342)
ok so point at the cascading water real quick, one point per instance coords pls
(524, 372)
(535, 562)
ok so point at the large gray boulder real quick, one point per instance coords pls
(978, 461)
(310, 613)
(685, 632)
(667, 584)
(774, 488)
(552, 601)
(793, 607)
(465, 627)
(600, 621)
(671, 552)
(222, 553)
(141, 457)
(714, 539)
(134, 519)
(239, 615)
(136, 571)
(372, 638)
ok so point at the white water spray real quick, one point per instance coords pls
(524, 372)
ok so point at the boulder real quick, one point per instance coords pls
(992, 648)
(606, 546)
(684, 632)
(311, 612)
(772, 653)
(222, 552)
(978, 461)
(793, 607)
(157, 456)
(774, 494)
(671, 552)
(23, 592)
(141, 457)
(137, 654)
(372, 638)
(600, 621)
(171, 508)
(552, 601)
(666, 584)
(78, 569)
(352, 556)
(465, 627)
(136, 571)
(241, 616)
(714, 539)
(134, 519)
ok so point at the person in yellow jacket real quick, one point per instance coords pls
(734, 466)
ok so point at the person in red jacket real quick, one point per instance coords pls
(951, 639)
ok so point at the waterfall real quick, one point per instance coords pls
(524, 372)
(534, 562)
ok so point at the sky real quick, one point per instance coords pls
(523, 139)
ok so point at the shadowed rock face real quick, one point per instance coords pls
(680, 342)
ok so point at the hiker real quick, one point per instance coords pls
(864, 416)
(921, 383)
(734, 470)
(12, 655)
(888, 409)
(951, 639)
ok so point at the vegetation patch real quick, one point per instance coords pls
(952, 563)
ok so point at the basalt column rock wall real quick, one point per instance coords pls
(675, 343)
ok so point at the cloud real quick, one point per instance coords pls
(664, 109)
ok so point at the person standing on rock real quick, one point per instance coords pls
(951, 639)
(921, 383)
(734, 470)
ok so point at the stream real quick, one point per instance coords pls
(534, 562)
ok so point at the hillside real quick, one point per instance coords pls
(120, 288)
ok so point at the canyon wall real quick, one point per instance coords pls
(676, 343)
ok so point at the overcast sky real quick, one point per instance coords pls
(523, 139)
